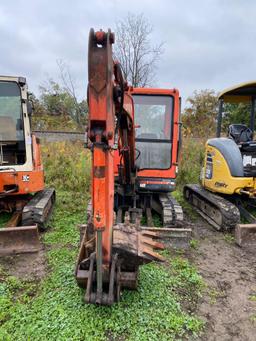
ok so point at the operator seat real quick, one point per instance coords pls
(240, 133)
(243, 137)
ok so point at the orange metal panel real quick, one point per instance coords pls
(103, 197)
(37, 160)
(27, 182)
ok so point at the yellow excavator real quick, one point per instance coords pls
(227, 194)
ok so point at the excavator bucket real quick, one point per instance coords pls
(15, 240)
(133, 246)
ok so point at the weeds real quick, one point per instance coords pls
(4, 218)
(194, 244)
(67, 166)
(252, 298)
(229, 238)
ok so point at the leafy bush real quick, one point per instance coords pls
(45, 121)
(191, 161)
(199, 117)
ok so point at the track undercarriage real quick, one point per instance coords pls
(224, 213)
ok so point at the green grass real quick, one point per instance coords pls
(4, 217)
(53, 309)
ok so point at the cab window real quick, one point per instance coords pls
(153, 115)
(11, 123)
(153, 120)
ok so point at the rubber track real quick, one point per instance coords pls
(229, 212)
(39, 209)
(172, 211)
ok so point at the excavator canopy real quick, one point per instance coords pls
(239, 93)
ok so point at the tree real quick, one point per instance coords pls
(57, 100)
(38, 108)
(80, 109)
(236, 113)
(199, 118)
(133, 49)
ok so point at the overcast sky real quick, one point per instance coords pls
(208, 43)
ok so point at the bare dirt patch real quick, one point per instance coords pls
(229, 305)
(30, 266)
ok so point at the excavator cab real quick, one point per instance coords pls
(157, 142)
(158, 137)
(242, 134)
(22, 189)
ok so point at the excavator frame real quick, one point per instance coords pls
(227, 187)
(22, 189)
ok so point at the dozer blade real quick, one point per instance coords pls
(171, 237)
(245, 234)
(15, 240)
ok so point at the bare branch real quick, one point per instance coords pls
(134, 51)
(69, 86)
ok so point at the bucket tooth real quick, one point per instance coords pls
(153, 255)
(133, 243)
(145, 232)
(151, 242)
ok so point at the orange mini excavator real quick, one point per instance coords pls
(132, 176)
(22, 190)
